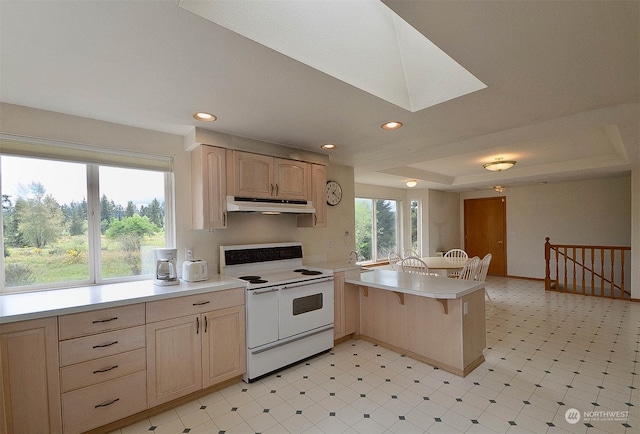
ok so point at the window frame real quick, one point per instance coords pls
(374, 240)
(122, 160)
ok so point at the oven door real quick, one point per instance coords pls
(305, 306)
(262, 316)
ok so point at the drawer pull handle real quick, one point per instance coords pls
(201, 303)
(105, 345)
(106, 404)
(105, 369)
(104, 320)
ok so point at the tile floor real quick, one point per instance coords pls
(547, 353)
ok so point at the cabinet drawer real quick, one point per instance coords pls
(101, 345)
(103, 369)
(98, 321)
(93, 406)
(194, 304)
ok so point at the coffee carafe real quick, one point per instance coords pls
(166, 271)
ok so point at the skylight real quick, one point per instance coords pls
(361, 42)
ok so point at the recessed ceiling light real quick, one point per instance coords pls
(204, 117)
(391, 125)
(412, 183)
(329, 146)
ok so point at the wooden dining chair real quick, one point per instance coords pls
(455, 253)
(394, 259)
(414, 265)
(408, 253)
(481, 274)
(470, 270)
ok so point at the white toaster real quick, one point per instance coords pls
(194, 271)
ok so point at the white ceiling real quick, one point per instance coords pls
(562, 96)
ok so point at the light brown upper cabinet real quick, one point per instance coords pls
(263, 177)
(209, 187)
(319, 198)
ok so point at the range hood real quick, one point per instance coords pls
(275, 206)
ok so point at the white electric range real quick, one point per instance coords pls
(289, 307)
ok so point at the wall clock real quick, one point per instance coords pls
(334, 193)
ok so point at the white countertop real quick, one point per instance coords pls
(41, 304)
(415, 284)
(336, 266)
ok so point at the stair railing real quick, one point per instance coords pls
(600, 271)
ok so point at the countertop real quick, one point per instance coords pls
(336, 266)
(41, 304)
(415, 284)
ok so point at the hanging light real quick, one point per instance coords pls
(499, 188)
(411, 183)
(499, 165)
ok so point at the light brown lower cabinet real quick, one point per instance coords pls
(29, 380)
(346, 307)
(195, 351)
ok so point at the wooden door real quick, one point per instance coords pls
(485, 231)
(174, 359)
(292, 179)
(29, 377)
(223, 345)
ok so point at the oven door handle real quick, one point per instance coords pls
(307, 283)
(258, 292)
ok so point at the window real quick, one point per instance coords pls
(376, 228)
(50, 238)
(414, 222)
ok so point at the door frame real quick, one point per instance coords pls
(503, 200)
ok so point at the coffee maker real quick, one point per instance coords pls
(165, 271)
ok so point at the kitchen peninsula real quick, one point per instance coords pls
(438, 320)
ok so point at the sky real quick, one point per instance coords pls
(67, 183)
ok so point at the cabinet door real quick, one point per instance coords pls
(319, 198)
(29, 381)
(223, 346)
(351, 309)
(174, 357)
(338, 305)
(292, 179)
(253, 175)
(209, 187)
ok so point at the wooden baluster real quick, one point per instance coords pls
(557, 270)
(547, 271)
(593, 274)
(564, 250)
(612, 276)
(582, 267)
(622, 293)
(573, 259)
(601, 272)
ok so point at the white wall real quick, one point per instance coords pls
(593, 212)
(444, 221)
(242, 228)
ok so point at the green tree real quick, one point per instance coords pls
(41, 218)
(386, 240)
(106, 213)
(129, 232)
(364, 228)
(155, 212)
(131, 209)
(78, 220)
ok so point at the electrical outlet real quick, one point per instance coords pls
(188, 253)
(330, 244)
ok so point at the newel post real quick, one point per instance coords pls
(547, 270)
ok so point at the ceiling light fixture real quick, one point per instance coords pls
(499, 165)
(204, 117)
(328, 146)
(499, 188)
(391, 125)
(411, 183)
